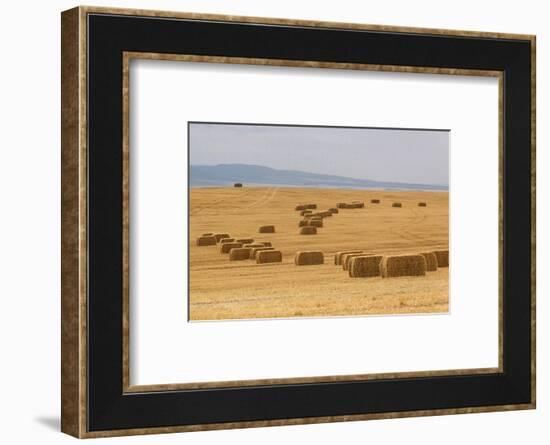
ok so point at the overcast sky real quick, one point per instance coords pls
(413, 156)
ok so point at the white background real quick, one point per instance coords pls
(29, 239)
(165, 95)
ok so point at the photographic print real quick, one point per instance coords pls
(316, 221)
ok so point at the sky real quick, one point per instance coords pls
(397, 155)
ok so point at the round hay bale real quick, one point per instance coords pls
(333, 210)
(403, 266)
(338, 256)
(244, 240)
(442, 258)
(219, 236)
(340, 205)
(209, 240)
(266, 243)
(325, 214)
(422, 204)
(208, 234)
(225, 248)
(303, 222)
(315, 223)
(239, 254)
(346, 259)
(266, 229)
(254, 252)
(358, 204)
(309, 258)
(300, 207)
(269, 256)
(253, 245)
(305, 212)
(238, 184)
(311, 206)
(396, 204)
(375, 201)
(227, 240)
(431, 261)
(364, 266)
(308, 230)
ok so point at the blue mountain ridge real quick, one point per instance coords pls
(227, 174)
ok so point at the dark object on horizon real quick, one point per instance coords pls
(422, 204)
(238, 184)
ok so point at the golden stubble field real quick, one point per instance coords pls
(223, 289)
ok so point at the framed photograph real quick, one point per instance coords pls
(274, 222)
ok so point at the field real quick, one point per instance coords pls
(223, 289)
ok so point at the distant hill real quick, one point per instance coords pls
(227, 174)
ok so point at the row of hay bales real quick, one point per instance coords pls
(350, 205)
(211, 239)
(311, 221)
(360, 205)
(363, 264)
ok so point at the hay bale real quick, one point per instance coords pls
(244, 240)
(422, 204)
(346, 259)
(396, 204)
(266, 243)
(442, 258)
(208, 234)
(308, 230)
(238, 184)
(252, 245)
(219, 236)
(305, 212)
(311, 206)
(341, 205)
(358, 204)
(431, 261)
(333, 210)
(209, 240)
(239, 254)
(300, 207)
(227, 240)
(303, 222)
(325, 214)
(338, 256)
(266, 229)
(315, 223)
(269, 256)
(254, 252)
(403, 266)
(364, 266)
(225, 248)
(375, 201)
(309, 258)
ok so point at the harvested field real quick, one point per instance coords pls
(283, 290)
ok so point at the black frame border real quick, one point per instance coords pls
(110, 409)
